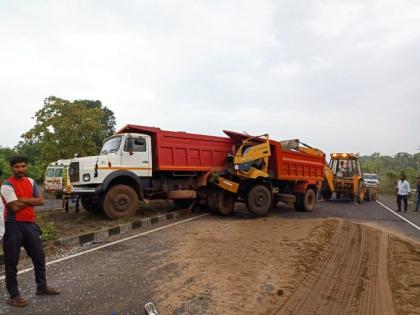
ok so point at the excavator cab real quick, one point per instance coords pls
(344, 176)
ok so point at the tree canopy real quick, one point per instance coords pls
(64, 128)
(389, 168)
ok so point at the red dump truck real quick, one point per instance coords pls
(139, 163)
(263, 172)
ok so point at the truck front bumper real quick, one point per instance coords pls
(83, 190)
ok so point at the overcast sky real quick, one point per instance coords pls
(339, 75)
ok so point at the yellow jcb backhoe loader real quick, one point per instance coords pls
(344, 177)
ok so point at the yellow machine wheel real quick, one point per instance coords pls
(326, 194)
(361, 191)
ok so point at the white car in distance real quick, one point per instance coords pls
(371, 180)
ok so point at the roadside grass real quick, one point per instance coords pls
(58, 224)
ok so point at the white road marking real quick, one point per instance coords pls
(112, 243)
(400, 216)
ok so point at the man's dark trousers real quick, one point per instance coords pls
(28, 236)
(404, 199)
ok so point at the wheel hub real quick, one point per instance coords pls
(259, 200)
(121, 202)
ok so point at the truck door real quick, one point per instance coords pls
(137, 155)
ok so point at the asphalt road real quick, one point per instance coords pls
(122, 277)
(50, 204)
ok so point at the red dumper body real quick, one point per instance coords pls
(182, 151)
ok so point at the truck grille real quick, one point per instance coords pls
(74, 172)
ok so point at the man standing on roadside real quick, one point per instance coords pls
(20, 194)
(1, 211)
(418, 194)
(403, 189)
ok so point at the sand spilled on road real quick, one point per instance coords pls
(286, 266)
(404, 275)
(242, 266)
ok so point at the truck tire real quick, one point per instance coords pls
(91, 204)
(121, 201)
(259, 200)
(298, 204)
(360, 192)
(182, 203)
(309, 200)
(326, 194)
(225, 202)
(212, 200)
(368, 195)
(374, 195)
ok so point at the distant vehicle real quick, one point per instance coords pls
(53, 181)
(345, 177)
(371, 179)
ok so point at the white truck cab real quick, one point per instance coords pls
(114, 180)
(122, 152)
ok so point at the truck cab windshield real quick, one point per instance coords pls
(111, 145)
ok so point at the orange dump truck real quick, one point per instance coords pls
(263, 172)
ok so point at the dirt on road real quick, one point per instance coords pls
(287, 266)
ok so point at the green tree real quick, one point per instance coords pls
(389, 168)
(64, 128)
(5, 154)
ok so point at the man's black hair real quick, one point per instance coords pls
(18, 159)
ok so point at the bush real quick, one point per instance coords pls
(49, 230)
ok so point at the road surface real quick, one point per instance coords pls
(287, 263)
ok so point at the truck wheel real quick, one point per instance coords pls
(121, 201)
(298, 204)
(374, 195)
(368, 195)
(225, 202)
(90, 204)
(326, 194)
(259, 200)
(360, 192)
(212, 200)
(182, 203)
(309, 200)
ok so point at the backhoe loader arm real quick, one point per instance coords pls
(329, 176)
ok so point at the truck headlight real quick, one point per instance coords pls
(86, 177)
